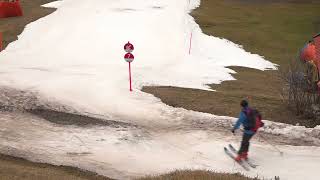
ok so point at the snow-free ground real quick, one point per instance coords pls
(74, 57)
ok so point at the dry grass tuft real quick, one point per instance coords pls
(197, 175)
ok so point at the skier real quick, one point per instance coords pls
(251, 121)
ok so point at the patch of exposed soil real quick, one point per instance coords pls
(64, 118)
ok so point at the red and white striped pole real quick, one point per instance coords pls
(190, 42)
(129, 58)
(130, 76)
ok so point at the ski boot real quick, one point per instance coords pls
(242, 156)
(245, 155)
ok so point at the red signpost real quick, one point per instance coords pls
(128, 47)
(129, 58)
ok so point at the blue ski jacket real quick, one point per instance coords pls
(242, 120)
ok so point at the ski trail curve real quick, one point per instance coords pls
(133, 151)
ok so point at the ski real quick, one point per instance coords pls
(231, 155)
(247, 161)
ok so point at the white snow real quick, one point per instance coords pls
(54, 4)
(124, 153)
(82, 44)
(75, 57)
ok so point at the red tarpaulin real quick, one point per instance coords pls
(317, 50)
(10, 9)
(316, 40)
(308, 52)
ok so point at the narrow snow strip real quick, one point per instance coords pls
(124, 153)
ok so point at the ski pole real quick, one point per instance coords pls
(274, 146)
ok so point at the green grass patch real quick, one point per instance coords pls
(274, 30)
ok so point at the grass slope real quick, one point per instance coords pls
(275, 29)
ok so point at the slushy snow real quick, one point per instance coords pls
(75, 57)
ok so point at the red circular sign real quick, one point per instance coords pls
(129, 57)
(128, 47)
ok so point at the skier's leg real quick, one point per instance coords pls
(243, 144)
(246, 138)
(247, 145)
(243, 147)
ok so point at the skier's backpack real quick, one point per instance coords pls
(254, 120)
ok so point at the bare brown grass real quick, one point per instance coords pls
(197, 175)
(274, 29)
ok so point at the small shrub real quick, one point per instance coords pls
(300, 90)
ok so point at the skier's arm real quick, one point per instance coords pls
(241, 119)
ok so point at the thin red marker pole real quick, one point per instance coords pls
(130, 76)
(0, 41)
(190, 43)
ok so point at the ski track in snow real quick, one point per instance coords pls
(72, 61)
(126, 152)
